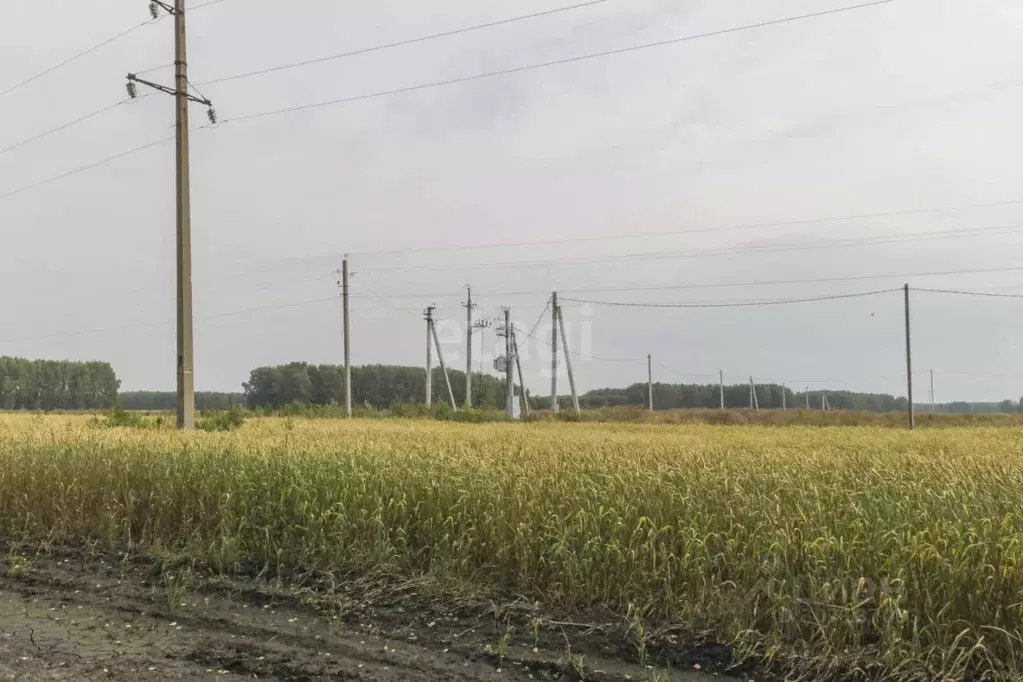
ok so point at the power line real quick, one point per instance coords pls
(65, 126)
(740, 304)
(728, 251)
(969, 293)
(556, 62)
(82, 169)
(722, 285)
(163, 323)
(726, 228)
(69, 60)
(401, 43)
(539, 320)
(649, 235)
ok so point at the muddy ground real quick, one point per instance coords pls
(69, 617)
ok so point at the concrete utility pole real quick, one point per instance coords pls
(754, 402)
(469, 307)
(348, 339)
(554, 352)
(509, 367)
(568, 359)
(185, 358)
(784, 398)
(650, 381)
(807, 396)
(909, 365)
(721, 386)
(932, 391)
(429, 355)
(443, 367)
(523, 399)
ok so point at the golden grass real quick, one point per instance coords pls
(893, 551)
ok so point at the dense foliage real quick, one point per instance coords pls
(158, 401)
(56, 385)
(378, 386)
(769, 396)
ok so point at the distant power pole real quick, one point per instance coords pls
(185, 357)
(523, 398)
(807, 396)
(754, 401)
(909, 365)
(650, 381)
(509, 366)
(784, 398)
(554, 352)
(348, 338)
(560, 323)
(721, 386)
(469, 306)
(443, 367)
(932, 391)
(429, 355)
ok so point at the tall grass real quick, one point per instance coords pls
(896, 553)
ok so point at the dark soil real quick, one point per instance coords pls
(66, 617)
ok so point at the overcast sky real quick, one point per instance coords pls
(909, 105)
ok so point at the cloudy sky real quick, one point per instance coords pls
(738, 159)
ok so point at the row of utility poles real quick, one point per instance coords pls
(510, 363)
(184, 360)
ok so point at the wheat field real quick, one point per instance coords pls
(892, 553)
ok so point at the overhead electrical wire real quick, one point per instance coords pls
(721, 285)
(82, 169)
(400, 43)
(985, 294)
(69, 60)
(555, 62)
(727, 251)
(739, 304)
(69, 124)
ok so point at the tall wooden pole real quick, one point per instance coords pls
(348, 339)
(909, 365)
(554, 352)
(185, 359)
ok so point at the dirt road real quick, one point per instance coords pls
(68, 619)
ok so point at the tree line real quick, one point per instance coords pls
(377, 386)
(56, 385)
(769, 397)
(160, 401)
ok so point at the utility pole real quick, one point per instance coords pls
(185, 357)
(443, 367)
(784, 398)
(909, 365)
(509, 396)
(348, 338)
(429, 355)
(650, 381)
(721, 386)
(754, 402)
(523, 399)
(932, 391)
(568, 360)
(469, 306)
(554, 352)
(807, 396)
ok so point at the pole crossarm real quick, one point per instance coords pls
(132, 78)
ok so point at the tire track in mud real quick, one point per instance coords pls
(69, 619)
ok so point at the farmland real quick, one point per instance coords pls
(778, 551)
